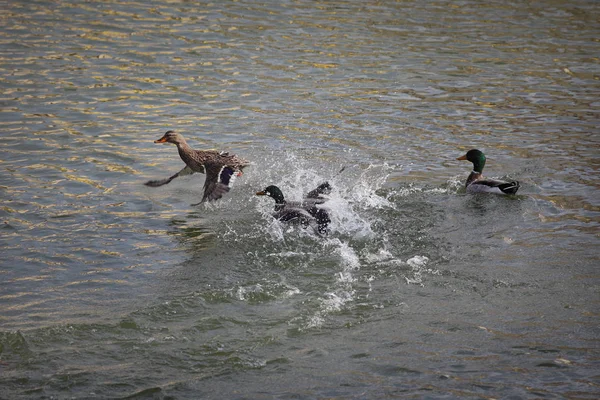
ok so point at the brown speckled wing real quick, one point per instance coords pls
(233, 161)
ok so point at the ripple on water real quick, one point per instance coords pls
(107, 281)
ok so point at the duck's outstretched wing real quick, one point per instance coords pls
(493, 186)
(159, 182)
(218, 182)
(323, 188)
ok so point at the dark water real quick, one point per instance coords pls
(110, 289)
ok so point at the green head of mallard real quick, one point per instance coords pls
(171, 137)
(477, 158)
(274, 192)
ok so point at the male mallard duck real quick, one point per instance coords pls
(301, 212)
(476, 183)
(220, 167)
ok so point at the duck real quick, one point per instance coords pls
(476, 183)
(220, 167)
(303, 212)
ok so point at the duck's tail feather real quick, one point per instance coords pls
(509, 187)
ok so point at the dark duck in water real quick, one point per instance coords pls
(220, 168)
(476, 183)
(303, 212)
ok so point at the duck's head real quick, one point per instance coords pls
(171, 137)
(274, 192)
(476, 157)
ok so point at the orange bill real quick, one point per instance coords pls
(161, 140)
(462, 157)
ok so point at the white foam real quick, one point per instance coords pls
(381, 256)
(418, 269)
(291, 292)
(242, 291)
(335, 301)
(345, 277)
(411, 189)
(417, 261)
(287, 254)
(316, 321)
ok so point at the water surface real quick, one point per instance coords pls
(111, 289)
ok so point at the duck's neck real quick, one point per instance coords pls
(184, 149)
(478, 165)
(279, 201)
(473, 176)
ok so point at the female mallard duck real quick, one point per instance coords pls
(476, 183)
(303, 212)
(221, 168)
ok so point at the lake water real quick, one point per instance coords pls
(111, 289)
